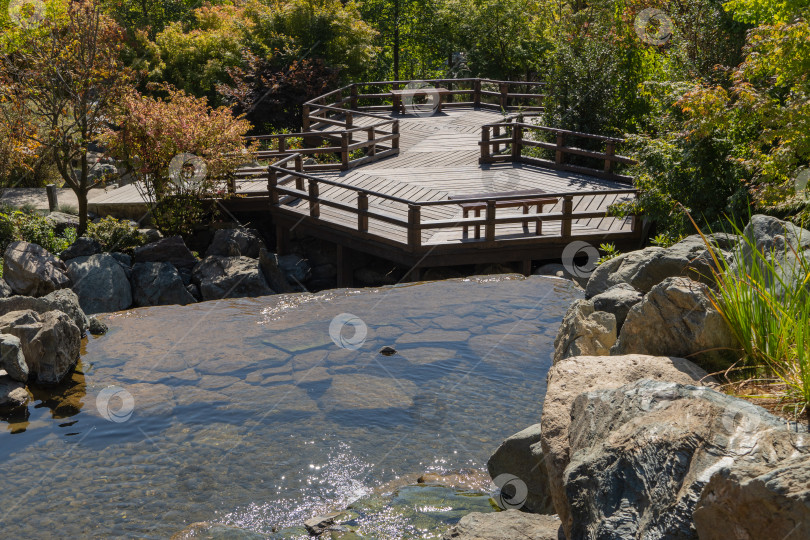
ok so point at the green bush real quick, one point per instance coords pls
(34, 228)
(115, 235)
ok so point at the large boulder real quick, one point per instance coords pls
(756, 500)
(50, 342)
(617, 300)
(585, 331)
(294, 267)
(641, 455)
(507, 525)
(100, 283)
(31, 271)
(229, 277)
(515, 457)
(82, 247)
(677, 318)
(236, 242)
(158, 284)
(12, 358)
(64, 300)
(648, 267)
(569, 378)
(171, 250)
(275, 278)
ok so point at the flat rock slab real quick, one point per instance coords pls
(508, 525)
(351, 392)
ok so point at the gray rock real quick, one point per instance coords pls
(194, 291)
(230, 277)
(756, 500)
(294, 267)
(172, 250)
(31, 271)
(617, 300)
(97, 328)
(508, 525)
(520, 455)
(648, 267)
(151, 235)
(641, 455)
(82, 247)
(268, 262)
(123, 259)
(50, 342)
(100, 283)
(560, 271)
(158, 284)
(12, 358)
(64, 300)
(5, 290)
(677, 318)
(320, 524)
(569, 378)
(236, 242)
(12, 393)
(585, 331)
(61, 221)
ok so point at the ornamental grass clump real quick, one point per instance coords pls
(763, 295)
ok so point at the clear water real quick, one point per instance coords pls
(247, 413)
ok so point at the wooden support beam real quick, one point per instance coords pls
(362, 211)
(345, 266)
(314, 207)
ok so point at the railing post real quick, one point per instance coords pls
(305, 118)
(414, 232)
(496, 134)
(395, 131)
(477, 93)
(372, 147)
(272, 184)
(362, 211)
(299, 163)
(314, 206)
(558, 158)
(504, 96)
(610, 151)
(517, 142)
(299, 167)
(349, 120)
(489, 228)
(282, 145)
(53, 198)
(354, 96)
(449, 96)
(485, 145)
(344, 151)
(567, 210)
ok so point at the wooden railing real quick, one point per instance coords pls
(515, 137)
(286, 184)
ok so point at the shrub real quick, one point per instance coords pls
(115, 235)
(16, 225)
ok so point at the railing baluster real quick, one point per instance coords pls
(485, 145)
(305, 118)
(354, 96)
(344, 151)
(504, 96)
(414, 232)
(496, 134)
(517, 142)
(567, 210)
(558, 158)
(314, 207)
(395, 132)
(610, 150)
(477, 93)
(272, 184)
(362, 211)
(489, 230)
(282, 145)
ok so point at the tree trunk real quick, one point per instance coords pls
(81, 196)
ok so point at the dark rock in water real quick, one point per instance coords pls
(12, 393)
(388, 351)
(571, 377)
(677, 318)
(172, 250)
(320, 524)
(641, 455)
(268, 262)
(12, 358)
(50, 342)
(230, 277)
(30, 270)
(515, 457)
(236, 242)
(761, 500)
(82, 247)
(617, 300)
(97, 328)
(101, 283)
(64, 300)
(295, 268)
(158, 284)
(508, 525)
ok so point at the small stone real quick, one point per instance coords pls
(97, 328)
(319, 524)
(12, 393)
(388, 351)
